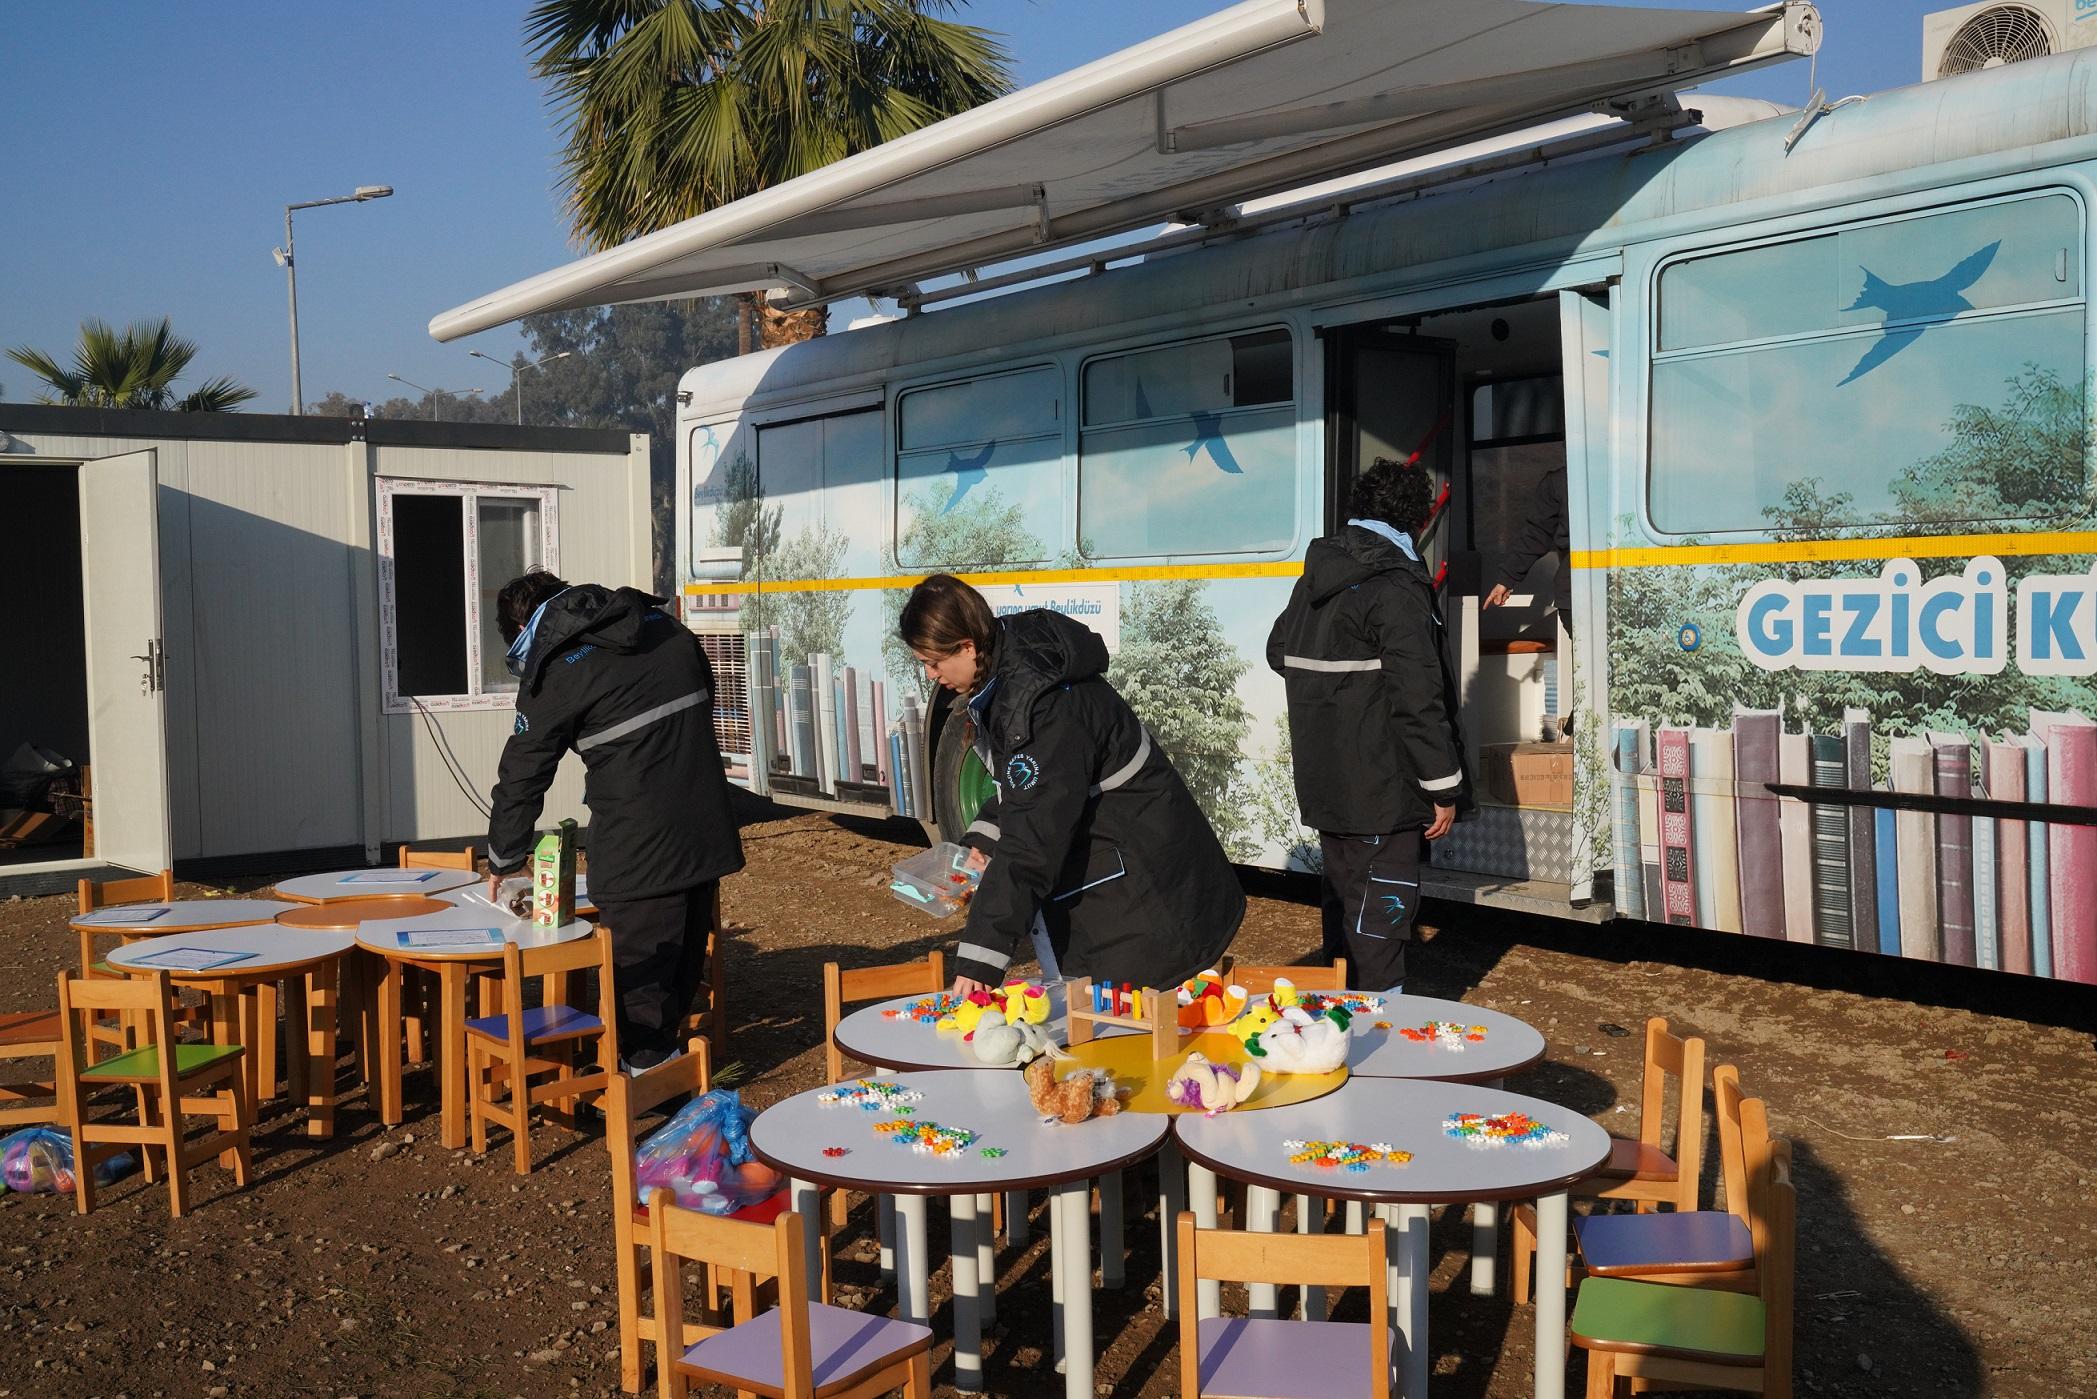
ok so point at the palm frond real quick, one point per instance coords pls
(220, 395)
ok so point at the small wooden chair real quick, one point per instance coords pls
(1259, 980)
(32, 1034)
(1638, 1169)
(1249, 1358)
(1696, 1337)
(842, 988)
(416, 986)
(436, 859)
(1701, 1248)
(90, 896)
(625, 1100)
(193, 1080)
(518, 1045)
(799, 1349)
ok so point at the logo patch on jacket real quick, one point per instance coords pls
(523, 724)
(1021, 771)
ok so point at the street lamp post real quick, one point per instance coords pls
(516, 370)
(431, 392)
(286, 261)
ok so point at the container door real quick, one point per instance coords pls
(126, 668)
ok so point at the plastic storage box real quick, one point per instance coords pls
(939, 881)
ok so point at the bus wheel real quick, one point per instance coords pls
(960, 785)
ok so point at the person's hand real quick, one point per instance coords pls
(1496, 598)
(494, 887)
(968, 985)
(977, 860)
(1444, 818)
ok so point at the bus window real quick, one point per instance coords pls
(1919, 370)
(979, 476)
(1189, 449)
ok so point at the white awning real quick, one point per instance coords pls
(1265, 96)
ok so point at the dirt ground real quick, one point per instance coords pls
(380, 1264)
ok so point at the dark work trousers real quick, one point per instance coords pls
(1371, 894)
(659, 959)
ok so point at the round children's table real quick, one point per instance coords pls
(884, 1033)
(242, 960)
(130, 921)
(451, 941)
(1411, 1115)
(380, 882)
(835, 1144)
(475, 895)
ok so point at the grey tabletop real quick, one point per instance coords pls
(181, 916)
(1508, 1045)
(1408, 1115)
(794, 1136)
(254, 950)
(381, 882)
(461, 933)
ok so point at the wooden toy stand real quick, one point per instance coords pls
(1161, 1017)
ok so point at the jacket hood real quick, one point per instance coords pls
(587, 615)
(1037, 650)
(1354, 555)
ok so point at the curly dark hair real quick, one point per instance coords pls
(1394, 492)
(520, 597)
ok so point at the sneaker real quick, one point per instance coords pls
(642, 1060)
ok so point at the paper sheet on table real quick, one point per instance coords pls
(389, 877)
(450, 937)
(120, 916)
(191, 959)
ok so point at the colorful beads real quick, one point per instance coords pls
(993, 1152)
(1352, 1002)
(837, 1151)
(1500, 1129)
(929, 1011)
(1345, 1156)
(1444, 1034)
(931, 1138)
(871, 1095)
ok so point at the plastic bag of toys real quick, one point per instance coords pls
(39, 1161)
(702, 1158)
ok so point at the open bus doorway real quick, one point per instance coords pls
(1476, 395)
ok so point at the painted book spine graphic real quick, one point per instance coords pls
(1863, 838)
(1761, 851)
(854, 766)
(2006, 782)
(825, 772)
(2038, 834)
(1717, 825)
(2071, 761)
(1831, 889)
(1987, 929)
(1951, 760)
(1886, 840)
(1795, 828)
(1913, 770)
(1630, 762)
(800, 713)
(1677, 868)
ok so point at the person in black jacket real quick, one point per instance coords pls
(1091, 830)
(1544, 532)
(1377, 759)
(609, 675)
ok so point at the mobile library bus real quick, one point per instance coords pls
(1816, 385)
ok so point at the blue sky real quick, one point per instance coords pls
(152, 147)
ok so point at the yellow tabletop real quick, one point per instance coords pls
(1127, 1057)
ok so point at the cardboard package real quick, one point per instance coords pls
(1528, 774)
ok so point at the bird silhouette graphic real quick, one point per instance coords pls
(968, 474)
(709, 488)
(1936, 298)
(1208, 434)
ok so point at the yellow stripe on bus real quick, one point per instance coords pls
(1927, 546)
(1144, 573)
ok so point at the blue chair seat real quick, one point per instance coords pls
(541, 1023)
(847, 1347)
(1689, 1241)
(1284, 1359)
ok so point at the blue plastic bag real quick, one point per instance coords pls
(39, 1161)
(702, 1158)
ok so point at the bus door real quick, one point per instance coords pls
(1392, 395)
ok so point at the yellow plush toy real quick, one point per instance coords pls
(970, 1012)
(1285, 993)
(1025, 1003)
(1249, 1026)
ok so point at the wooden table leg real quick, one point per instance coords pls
(298, 1046)
(262, 1044)
(451, 1039)
(249, 1009)
(322, 983)
(225, 1029)
(385, 1042)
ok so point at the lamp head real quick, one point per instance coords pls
(364, 192)
(283, 258)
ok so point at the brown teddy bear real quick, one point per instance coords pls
(1086, 1093)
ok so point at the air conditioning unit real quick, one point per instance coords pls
(1973, 37)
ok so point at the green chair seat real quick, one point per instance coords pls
(142, 1065)
(1618, 1314)
(103, 969)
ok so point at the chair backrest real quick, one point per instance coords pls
(843, 987)
(628, 1098)
(436, 859)
(1259, 980)
(1773, 1221)
(520, 964)
(81, 999)
(1726, 1098)
(1670, 1056)
(749, 1252)
(146, 888)
(1311, 1260)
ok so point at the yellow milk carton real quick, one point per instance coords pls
(553, 877)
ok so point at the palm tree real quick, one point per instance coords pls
(675, 107)
(131, 368)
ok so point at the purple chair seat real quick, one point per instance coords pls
(847, 1346)
(1688, 1241)
(1284, 1359)
(540, 1023)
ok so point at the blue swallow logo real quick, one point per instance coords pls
(1208, 435)
(1393, 906)
(968, 474)
(1022, 772)
(710, 488)
(1939, 298)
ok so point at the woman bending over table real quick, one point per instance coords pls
(1092, 838)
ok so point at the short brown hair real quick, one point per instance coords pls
(941, 613)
